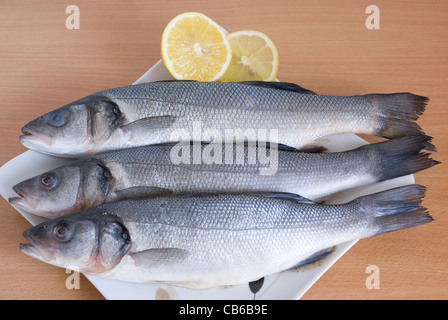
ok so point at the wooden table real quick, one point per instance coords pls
(323, 45)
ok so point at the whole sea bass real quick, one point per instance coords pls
(172, 111)
(157, 169)
(201, 241)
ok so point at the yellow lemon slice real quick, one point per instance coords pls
(254, 57)
(194, 47)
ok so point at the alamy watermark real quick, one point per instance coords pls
(73, 20)
(220, 148)
(373, 20)
(73, 280)
(373, 280)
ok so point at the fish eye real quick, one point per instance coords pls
(48, 180)
(57, 118)
(62, 232)
(105, 177)
(105, 173)
(113, 112)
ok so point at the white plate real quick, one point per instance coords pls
(285, 285)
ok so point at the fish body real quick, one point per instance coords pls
(202, 241)
(158, 169)
(173, 111)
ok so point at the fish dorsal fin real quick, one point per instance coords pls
(288, 86)
(281, 147)
(274, 195)
(269, 145)
(285, 196)
(266, 144)
(173, 80)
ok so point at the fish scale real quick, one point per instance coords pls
(230, 98)
(161, 112)
(154, 170)
(201, 241)
(299, 118)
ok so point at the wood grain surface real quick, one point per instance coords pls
(323, 45)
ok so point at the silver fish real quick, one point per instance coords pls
(173, 111)
(202, 241)
(156, 169)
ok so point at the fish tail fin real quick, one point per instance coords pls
(403, 156)
(396, 209)
(397, 113)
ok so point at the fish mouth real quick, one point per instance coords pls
(27, 131)
(15, 200)
(25, 205)
(32, 137)
(37, 248)
(37, 252)
(18, 190)
(19, 201)
(29, 249)
(23, 202)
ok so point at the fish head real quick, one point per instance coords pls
(77, 129)
(89, 243)
(67, 189)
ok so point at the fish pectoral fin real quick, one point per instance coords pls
(319, 255)
(141, 192)
(279, 86)
(161, 256)
(150, 123)
(315, 146)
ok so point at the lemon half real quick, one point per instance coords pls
(254, 57)
(194, 47)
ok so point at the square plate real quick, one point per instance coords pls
(291, 284)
